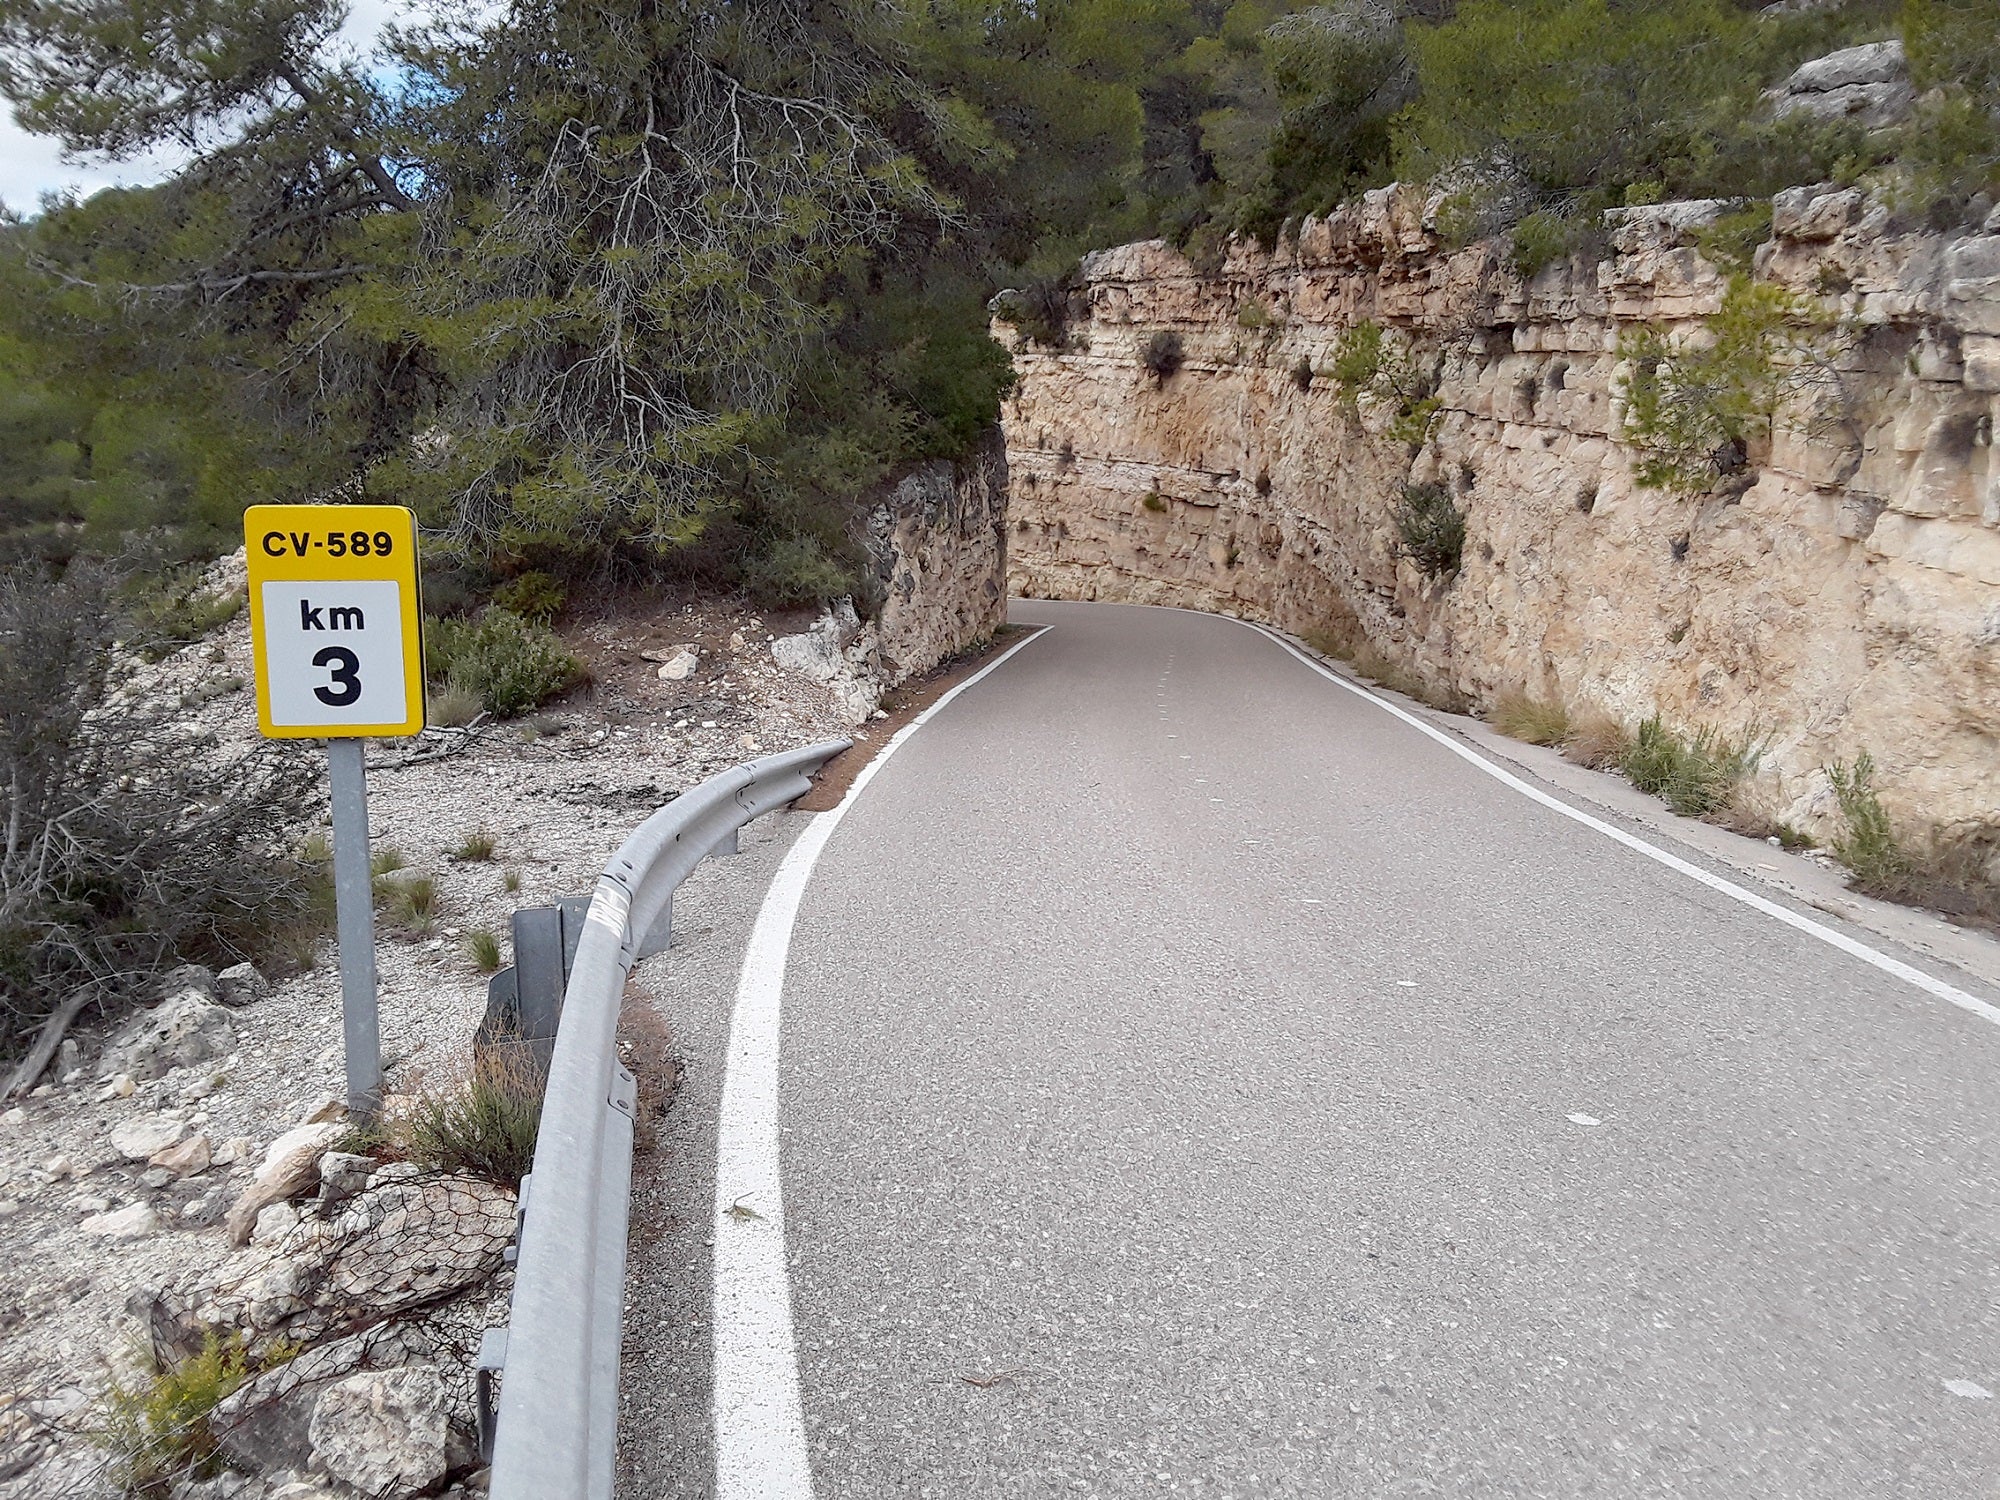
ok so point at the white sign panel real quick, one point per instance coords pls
(334, 651)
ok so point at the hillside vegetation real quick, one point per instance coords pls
(672, 288)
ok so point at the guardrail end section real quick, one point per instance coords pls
(491, 1361)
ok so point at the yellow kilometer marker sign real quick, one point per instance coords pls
(335, 620)
(336, 633)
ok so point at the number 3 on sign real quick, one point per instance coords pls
(335, 620)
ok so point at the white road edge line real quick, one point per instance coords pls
(760, 1435)
(1951, 994)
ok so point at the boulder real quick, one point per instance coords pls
(195, 979)
(133, 1222)
(264, 1424)
(143, 1138)
(679, 667)
(1869, 84)
(835, 651)
(184, 1158)
(291, 1166)
(274, 1222)
(241, 984)
(382, 1431)
(187, 1029)
(408, 1242)
(343, 1176)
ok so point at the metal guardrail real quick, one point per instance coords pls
(555, 1434)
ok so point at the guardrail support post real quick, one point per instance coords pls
(660, 936)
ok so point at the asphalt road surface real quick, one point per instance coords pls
(1196, 1081)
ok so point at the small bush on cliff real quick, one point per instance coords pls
(1162, 355)
(1948, 871)
(1539, 240)
(1950, 154)
(1041, 309)
(1430, 529)
(1692, 406)
(1357, 359)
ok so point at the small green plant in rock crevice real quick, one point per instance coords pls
(1430, 529)
(1367, 361)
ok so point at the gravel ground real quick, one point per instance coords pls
(557, 795)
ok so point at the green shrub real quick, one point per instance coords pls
(1694, 777)
(1254, 315)
(412, 903)
(532, 596)
(794, 572)
(511, 663)
(1869, 847)
(1357, 359)
(1152, 501)
(1430, 529)
(1732, 240)
(158, 1428)
(1598, 103)
(178, 608)
(451, 705)
(486, 1125)
(1163, 355)
(1539, 240)
(1041, 309)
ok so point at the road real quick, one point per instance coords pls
(1197, 1081)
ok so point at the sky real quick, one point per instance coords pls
(32, 165)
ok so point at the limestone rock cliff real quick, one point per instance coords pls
(1840, 593)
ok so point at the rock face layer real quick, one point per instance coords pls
(1840, 592)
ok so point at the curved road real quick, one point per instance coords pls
(1196, 1081)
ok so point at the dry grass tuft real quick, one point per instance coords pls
(1595, 740)
(1531, 720)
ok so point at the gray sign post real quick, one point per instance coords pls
(354, 898)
